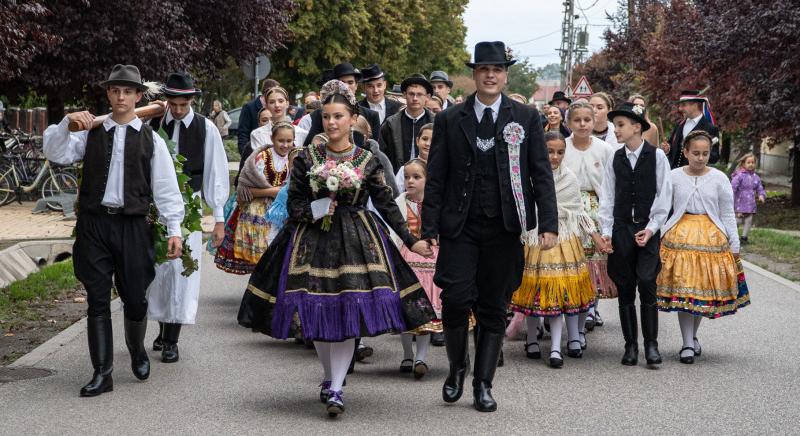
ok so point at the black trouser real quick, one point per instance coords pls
(118, 246)
(631, 266)
(479, 270)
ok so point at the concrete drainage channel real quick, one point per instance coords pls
(23, 258)
(8, 375)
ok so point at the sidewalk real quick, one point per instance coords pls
(232, 381)
(17, 222)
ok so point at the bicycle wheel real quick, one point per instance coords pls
(59, 183)
(6, 186)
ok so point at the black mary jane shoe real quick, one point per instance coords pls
(598, 320)
(407, 367)
(556, 362)
(590, 322)
(687, 359)
(576, 353)
(698, 350)
(533, 354)
(582, 337)
(420, 369)
(335, 404)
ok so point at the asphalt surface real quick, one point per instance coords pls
(232, 381)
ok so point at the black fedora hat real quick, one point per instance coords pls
(632, 111)
(692, 95)
(395, 90)
(416, 79)
(346, 69)
(327, 75)
(491, 53)
(180, 84)
(559, 96)
(125, 75)
(441, 76)
(370, 73)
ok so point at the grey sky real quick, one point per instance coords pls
(515, 21)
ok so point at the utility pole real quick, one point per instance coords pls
(567, 39)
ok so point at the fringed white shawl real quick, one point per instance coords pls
(572, 219)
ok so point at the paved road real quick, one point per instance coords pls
(232, 381)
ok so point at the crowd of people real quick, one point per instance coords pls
(414, 213)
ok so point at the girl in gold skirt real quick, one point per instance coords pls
(556, 282)
(700, 248)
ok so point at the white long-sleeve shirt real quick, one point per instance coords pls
(661, 204)
(588, 165)
(216, 182)
(709, 194)
(63, 147)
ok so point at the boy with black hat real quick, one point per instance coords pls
(350, 76)
(441, 87)
(399, 131)
(488, 176)
(692, 105)
(561, 101)
(374, 82)
(126, 167)
(172, 297)
(634, 204)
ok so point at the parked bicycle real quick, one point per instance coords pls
(16, 180)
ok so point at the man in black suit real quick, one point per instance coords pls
(691, 104)
(484, 187)
(374, 82)
(350, 76)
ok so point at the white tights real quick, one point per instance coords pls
(335, 358)
(746, 222)
(422, 346)
(689, 324)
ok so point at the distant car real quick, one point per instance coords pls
(233, 130)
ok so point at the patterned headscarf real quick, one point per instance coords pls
(337, 87)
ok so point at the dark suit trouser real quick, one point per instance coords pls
(119, 248)
(479, 270)
(631, 266)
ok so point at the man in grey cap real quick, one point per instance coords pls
(441, 88)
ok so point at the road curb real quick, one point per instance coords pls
(55, 343)
(771, 275)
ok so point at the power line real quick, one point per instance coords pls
(536, 39)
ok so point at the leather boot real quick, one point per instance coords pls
(627, 318)
(101, 351)
(456, 341)
(170, 352)
(501, 360)
(486, 355)
(158, 343)
(134, 339)
(650, 334)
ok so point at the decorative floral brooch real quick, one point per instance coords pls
(513, 134)
(638, 110)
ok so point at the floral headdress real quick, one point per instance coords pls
(337, 87)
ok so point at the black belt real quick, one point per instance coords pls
(113, 210)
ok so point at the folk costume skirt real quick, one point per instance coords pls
(699, 275)
(424, 269)
(347, 282)
(555, 281)
(596, 262)
(246, 238)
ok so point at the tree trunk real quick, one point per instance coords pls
(796, 173)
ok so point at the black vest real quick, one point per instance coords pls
(635, 189)
(486, 192)
(191, 144)
(137, 192)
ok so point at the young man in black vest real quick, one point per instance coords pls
(488, 174)
(172, 297)
(691, 105)
(374, 82)
(399, 132)
(126, 167)
(635, 202)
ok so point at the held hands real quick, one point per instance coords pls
(665, 146)
(601, 244)
(82, 119)
(642, 237)
(423, 248)
(174, 247)
(547, 240)
(217, 235)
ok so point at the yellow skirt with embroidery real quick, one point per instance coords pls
(555, 281)
(698, 271)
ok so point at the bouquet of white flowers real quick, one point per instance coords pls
(342, 177)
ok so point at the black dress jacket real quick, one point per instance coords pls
(452, 171)
(392, 107)
(675, 154)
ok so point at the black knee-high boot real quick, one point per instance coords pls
(456, 341)
(170, 352)
(158, 343)
(650, 334)
(134, 339)
(101, 351)
(488, 349)
(630, 331)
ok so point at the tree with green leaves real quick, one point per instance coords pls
(522, 79)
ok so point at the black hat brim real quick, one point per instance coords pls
(475, 64)
(416, 81)
(569, 101)
(122, 82)
(637, 118)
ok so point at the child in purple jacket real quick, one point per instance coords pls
(746, 187)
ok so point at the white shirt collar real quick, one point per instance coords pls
(415, 119)
(635, 153)
(379, 105)
(136, 123)
(186, 120)
(480, 107)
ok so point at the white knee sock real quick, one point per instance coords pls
(582, 320)
(408, 349)
(572, 332)
(555, 333)
(686, 321)
(422, 347)
(533, 328)
(748, 222)
(324, 353)
(341, 354)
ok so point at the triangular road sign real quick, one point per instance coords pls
(582, 89)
